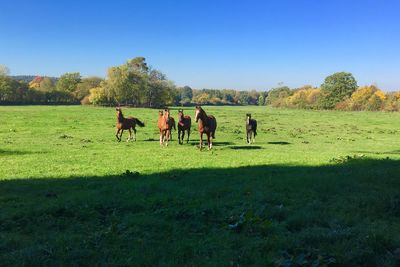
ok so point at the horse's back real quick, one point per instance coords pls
(213, 124)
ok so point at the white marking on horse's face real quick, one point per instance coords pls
(196, 114)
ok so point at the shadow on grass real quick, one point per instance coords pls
(279, 143)
(215, 143)
(245, 215)
(394, 152)
(245, 147)
(4, 152)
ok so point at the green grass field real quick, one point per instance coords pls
(317, 187)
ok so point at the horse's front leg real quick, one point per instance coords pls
(161, 137)
(167, 137)
(182, 137)
(120, 135)
(134, 134)
(116, 135)
(201, 140)
(248, 136)
(188, 134)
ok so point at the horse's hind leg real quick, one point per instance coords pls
(130, 135)
(209, 140)
(188, 134)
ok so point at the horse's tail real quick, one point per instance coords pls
(255, 127)
(215, 127)
(174, 125)
(141, 124)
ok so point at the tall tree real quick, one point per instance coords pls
(4, 71)
(68, 82)
(336, 88)
(83, 88)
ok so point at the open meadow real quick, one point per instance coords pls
(317, 187)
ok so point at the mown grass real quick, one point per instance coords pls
(316, 188)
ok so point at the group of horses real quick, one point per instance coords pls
(207, 124)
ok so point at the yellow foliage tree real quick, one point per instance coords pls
(304, 98)
(367, 98)
(97, 96)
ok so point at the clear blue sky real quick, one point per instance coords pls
(207, 43)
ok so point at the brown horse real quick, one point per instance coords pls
(172, 124)
(251, 128)
(207, 124)
(184, 124)
(164, 126)
(126, 124)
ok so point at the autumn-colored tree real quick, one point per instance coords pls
(35, 83)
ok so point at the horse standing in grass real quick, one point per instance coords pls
(184, 124)
(172, 124)
(164, 126)
(251, 128)
(126, 124)
(207, 124)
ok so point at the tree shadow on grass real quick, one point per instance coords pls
(203, 216)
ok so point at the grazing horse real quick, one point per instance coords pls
(251, 128)
(164, 126)
(184, 124)
(207, 124)
(126, 124)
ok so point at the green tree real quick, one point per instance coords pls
(68, 82)
(83, 88)
(4, 71)
(277, 95)
(186, 95)
(46, 85)
(261, 99)
(336, 88)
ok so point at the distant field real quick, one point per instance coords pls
(317, 187)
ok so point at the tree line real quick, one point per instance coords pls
(340, 92)
(137, 84)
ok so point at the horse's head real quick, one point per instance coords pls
(166, 113)
(160, 113)
(119, 112)
(180, 115)
(248, 118)
(197, 113)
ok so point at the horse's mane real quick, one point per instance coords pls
(120, 115)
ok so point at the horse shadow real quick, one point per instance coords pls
(279, 143)
(4, 152)
(195, 142)
(245, 147)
